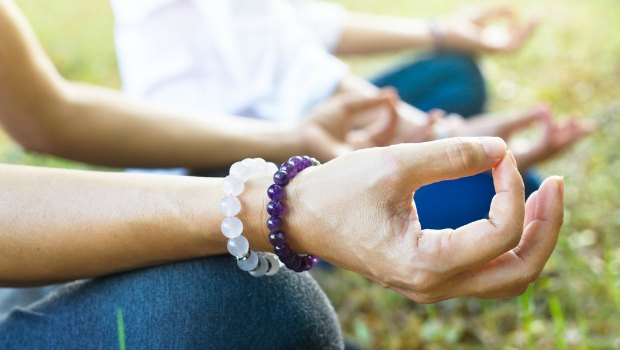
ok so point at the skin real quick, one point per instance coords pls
(61, 225)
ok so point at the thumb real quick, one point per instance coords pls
(446, 159)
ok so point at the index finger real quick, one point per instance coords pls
(483, 240)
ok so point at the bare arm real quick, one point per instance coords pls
(60, 225)
(467, 30)
(47, 114)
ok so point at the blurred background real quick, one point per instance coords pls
(572, 63)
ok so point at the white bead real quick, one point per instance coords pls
(241, 171)
(253, 165)
(250, 263)
(262, 267)
(230, 205)
(238, 247)
(233, 185)
(271, 168)
(232, 227)
(275, 264)
(261, 167)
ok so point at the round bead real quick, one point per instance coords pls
(306, 162)
(283, 250)
(275, 208)
(274, 223)
(290, 168)
(230, 205)
(277, 238)
(307, 263)
(275, 192)
(297, 161)
(233, 185)
(280, 178)
(296, 264)
(274, 264)
(271, 168)
(250, 263)
(254, 166)
(261, 166)
(262, 267)
(232, 227)
(241, 170)
(238, 246)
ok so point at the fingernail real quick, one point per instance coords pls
(494, 147)
(560, 183)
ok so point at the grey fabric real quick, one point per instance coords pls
(200, 304)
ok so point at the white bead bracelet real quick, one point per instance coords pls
(256, 263)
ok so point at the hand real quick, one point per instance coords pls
(557, 137)
(357, 213)
(328, 132)
(473, 31)
(503, 125)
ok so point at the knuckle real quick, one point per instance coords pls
(461, 153)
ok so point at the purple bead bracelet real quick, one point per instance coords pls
(287, 171)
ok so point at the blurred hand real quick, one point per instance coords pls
(357, 213)
(484, 30)
(504, 124)
(557, 137)
(328, 131)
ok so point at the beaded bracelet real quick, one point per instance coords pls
(275, 208)
(256, 263)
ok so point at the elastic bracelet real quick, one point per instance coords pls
(287, 171)
(256, 263)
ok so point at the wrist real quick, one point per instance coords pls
(253, 214)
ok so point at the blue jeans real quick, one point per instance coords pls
(200, 304)
(452, 82)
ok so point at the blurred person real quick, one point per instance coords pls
(275, 60)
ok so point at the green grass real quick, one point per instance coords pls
(573, 63)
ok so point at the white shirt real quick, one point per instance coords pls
(266, 59)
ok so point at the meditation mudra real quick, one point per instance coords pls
(336, 185)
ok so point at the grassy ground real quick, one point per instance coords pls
(573, 63)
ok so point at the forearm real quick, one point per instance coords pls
(60, 225)
(367, 34)
(100, 126)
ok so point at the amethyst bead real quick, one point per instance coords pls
(277, 238)
(274, 223)
(283, 250)
(296, 264)
(275, 208)
(306, 162)
(307, 263)
(280, 178)
(297, 161)
(290, 168)
(275, 192)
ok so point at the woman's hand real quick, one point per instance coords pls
(474, 30)
(329, 131)
(357, 213)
